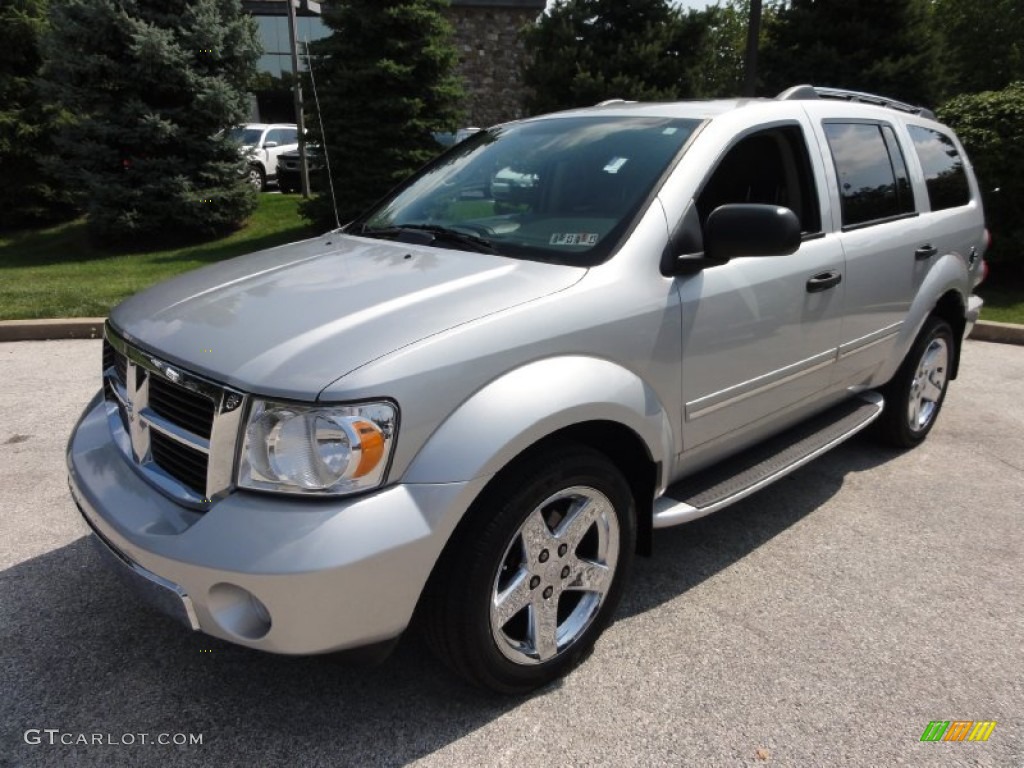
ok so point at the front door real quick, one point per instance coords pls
(760, 333)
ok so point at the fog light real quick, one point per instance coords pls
(239, 612)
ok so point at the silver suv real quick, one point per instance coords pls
(476, 402)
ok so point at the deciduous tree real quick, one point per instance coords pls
(585, 51)
(880, 46)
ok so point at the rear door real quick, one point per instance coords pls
(884, 237)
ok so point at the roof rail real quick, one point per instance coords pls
(608, 102)
(805, 92)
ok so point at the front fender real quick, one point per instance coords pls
(509, 414)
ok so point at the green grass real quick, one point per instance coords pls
(56, 272)
(1002, 304)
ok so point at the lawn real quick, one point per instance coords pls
(1003, 304)
(56, 272)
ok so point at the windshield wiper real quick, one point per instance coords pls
(437, 231)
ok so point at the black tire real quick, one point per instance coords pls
(921, 381)
(487, 558)
(257, 177)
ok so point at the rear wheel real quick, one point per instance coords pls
(527, 586)
(915, 394)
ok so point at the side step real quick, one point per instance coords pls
(739, 476)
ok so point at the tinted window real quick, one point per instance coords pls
(868, 173)
(904, 192)
(770, 167)
(943, 167)
(562, 189)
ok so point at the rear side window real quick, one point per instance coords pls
(873, 181)
(944, 172)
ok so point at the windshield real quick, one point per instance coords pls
(247, 137)
(561, 189)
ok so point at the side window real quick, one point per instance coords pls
(770, 167)
(873, 180)
(944, 172)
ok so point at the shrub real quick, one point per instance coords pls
(991, 127)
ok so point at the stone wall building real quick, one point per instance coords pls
(488, 36)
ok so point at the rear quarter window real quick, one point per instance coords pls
(944, 173)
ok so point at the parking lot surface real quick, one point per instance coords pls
(823, 621)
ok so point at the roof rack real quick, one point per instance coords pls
(609, 102)
(805, 92)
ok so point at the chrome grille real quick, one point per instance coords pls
(178, 429)
(185, 464)
(192, 411)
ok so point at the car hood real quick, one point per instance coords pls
(288, 321)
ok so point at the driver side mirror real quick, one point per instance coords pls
(741, 229)
(269, 144)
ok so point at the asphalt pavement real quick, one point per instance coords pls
(824, 621)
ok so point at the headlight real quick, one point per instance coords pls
(323, 450)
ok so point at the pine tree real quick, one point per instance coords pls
(151, 83)
(386, 81)
(31, 193)
(886, 47)
(585, 51)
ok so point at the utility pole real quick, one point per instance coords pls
(753, 36)
(297, 93)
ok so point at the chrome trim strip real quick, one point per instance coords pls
(869, 340)
(160, 424)
(669, 512)
(747, 389)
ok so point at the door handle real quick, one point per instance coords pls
(925, 252)
(824, 281)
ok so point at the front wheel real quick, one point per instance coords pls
(530, 582)
(915, 394)
(256, 177)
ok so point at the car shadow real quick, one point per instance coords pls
(686, 555)
(79, 654)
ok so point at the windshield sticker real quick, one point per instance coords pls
(575, 238)
(669, 131)
(615, 164)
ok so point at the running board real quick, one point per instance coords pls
(739, 476)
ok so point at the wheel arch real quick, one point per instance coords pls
(952, 308)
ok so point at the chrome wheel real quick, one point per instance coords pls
(928, 384)
(256, 178)
(554, 575)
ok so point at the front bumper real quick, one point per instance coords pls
(974, 304)
(278, 574)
